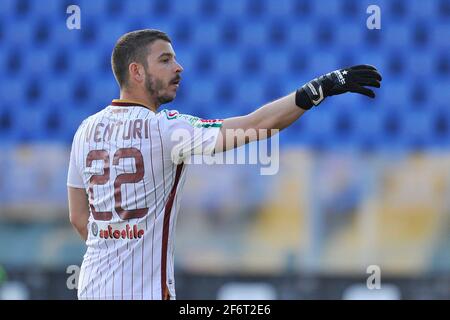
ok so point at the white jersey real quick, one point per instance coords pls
(130, 162)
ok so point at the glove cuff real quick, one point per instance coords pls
(311, 94)
(302, 99)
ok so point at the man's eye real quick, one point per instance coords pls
(165, 60)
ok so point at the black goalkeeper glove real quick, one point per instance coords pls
(352, 79)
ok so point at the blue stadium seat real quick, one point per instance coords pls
(442, 65)
(441, 127)
(443, 10)
(7, 123)
(182, 31)
(369, 123)
(419, 126)
(440, 93)
(65, 38)
(396, 93)
(396, 65)
(94, 9)
(208, 9)
(19, 34)
(324, 11)
(440, 34)
(299, 63)
(254, 34)
(37, 64)
(419, 65)
(4, 60)
(251, 93)
(255, 9)
(423, 9)
(280, 9)
(58, 90)
(12, 90)
(51, 9)
(85, 61)
(321, 124)
(398, 10)
(351, 9)
(109, 32)
(397, 36)
(232, 8)
(202, 91)
(73, 117)
(349, 36)
(324, 33)
(42, 33)
(277, 34)
(226, 91)
(114, 8)
(204, 62)
(229, 62)
(32, 132)
(209, 35)
(60, 61)
(22, 8)
(275, 64)
(344, 125)
(252, 63)
(7, 8)
(161, 8)
(326, 62)
(104, 91)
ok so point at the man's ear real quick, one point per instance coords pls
(136, 71)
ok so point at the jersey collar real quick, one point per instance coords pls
(128, 103)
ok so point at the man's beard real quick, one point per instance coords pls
(154, 86)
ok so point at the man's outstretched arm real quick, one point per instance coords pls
(283, 112)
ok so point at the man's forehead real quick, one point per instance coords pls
(160, 47)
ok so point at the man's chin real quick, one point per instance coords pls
(167, 99)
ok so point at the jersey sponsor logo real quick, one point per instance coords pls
(171, 114)
(116, 232)
(94, 228)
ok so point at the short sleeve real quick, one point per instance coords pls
(189, 135)
(74, 178)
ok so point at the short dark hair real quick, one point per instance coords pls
(132, 47)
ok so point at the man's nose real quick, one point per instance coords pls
(179, 68)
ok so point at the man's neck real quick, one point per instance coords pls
(124, 95)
